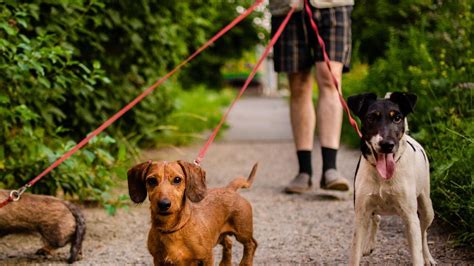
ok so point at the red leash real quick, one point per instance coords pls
(16, 194)
(204, 149)
(326, 60)
(5, 202)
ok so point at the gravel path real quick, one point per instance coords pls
(310, 229)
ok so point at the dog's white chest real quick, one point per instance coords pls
(379, 196)
(384, 200)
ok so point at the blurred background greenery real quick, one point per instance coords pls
(69, 65)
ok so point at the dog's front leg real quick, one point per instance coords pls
(369, 244)
(426, 215)
(207, 262)
(360, 234)
(413, 234)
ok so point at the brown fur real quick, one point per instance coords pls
(197, 218)
(58, 222)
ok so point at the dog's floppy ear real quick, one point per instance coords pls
(196, 188)
(406, 101)
(136, 181)
(359, 103)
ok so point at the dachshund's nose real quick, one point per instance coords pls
(164, 204)
(387, 146)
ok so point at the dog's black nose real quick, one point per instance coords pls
(164, 204)
(387, 146)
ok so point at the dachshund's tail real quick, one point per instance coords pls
(78, 237)
(241, 182)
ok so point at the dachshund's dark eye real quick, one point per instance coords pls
(177, 180)
(152, 182)
(397, 118)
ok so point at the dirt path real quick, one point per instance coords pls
(314, 228)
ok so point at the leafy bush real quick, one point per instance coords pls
(68, 65)
(433, 58)
(373, 23)
(37, 76)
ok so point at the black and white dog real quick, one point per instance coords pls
(392, 176)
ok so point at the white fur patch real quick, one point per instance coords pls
(374, 142)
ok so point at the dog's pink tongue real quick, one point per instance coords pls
(385, 165)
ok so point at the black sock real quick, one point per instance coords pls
(304, 160)
(329, 158)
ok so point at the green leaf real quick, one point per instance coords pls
(87, 70)
(8, 29)
(122, 152)
(96, 64)
(90, 156)
(4, 99)
(44, 81)
(25, 113)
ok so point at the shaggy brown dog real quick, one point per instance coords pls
(58, 222)
(188, 220)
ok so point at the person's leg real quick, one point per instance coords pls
(293, 55)
(334, 25)
(329, 115)
(329, 110)
(303, 118)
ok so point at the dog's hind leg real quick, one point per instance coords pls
(250, 245)
(242, 222)
(426, 215)
(244, 234)
(51, 242)
(226, 243)
(46, 250)
(369, 243)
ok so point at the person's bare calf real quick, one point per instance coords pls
(303, 121)
(329, 115)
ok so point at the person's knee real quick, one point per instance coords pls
(325, 80)
(301, 85)
(300, 94)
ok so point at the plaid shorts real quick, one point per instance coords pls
(297, 49)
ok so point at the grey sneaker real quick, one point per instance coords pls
(333, 180)
(300, 184)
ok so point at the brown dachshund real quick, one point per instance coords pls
(189, 220)
(58, 222)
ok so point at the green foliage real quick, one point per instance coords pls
(37, 74)
(197, 110)
(231, 46)
(69, 65)
(433, 58)
(353, 83)
(373, 21)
